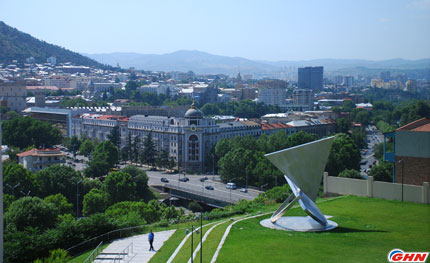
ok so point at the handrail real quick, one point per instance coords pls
(123, 253)
(91, 257)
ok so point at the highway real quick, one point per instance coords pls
(195, 184)
(373, 137)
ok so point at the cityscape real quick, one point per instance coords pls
(188, 140)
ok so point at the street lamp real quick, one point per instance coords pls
(192, 235)
(213, 167)
(77, 198)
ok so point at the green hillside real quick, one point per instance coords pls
(15, 44)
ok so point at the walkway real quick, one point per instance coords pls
(141, 253)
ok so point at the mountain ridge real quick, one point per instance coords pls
(17, 45)
(204, 63)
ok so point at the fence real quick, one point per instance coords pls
(371, 188)
(94, 254)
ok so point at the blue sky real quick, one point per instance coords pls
(265, 30)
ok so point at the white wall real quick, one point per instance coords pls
(371, 188)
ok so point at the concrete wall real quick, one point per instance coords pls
(371, 188)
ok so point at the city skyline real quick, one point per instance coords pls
(273, 31)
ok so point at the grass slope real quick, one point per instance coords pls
(368, 229)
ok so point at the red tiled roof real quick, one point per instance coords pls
(33, 151)
(421, 125)
(112, 117)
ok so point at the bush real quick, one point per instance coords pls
(351, 174)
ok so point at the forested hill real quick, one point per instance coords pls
(15, 44)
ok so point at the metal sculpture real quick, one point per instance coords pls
(303, 167)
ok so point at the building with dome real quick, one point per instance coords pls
(188, 139)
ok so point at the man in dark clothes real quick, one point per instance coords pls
(151, 240)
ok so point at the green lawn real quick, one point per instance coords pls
(368, 229)
(211, 243)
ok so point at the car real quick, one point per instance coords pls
(244, 190)
(164, 180)
(362, 162)
(209, 187)
(231, 186)
(203, 179)
(153, 169)
(184, 179)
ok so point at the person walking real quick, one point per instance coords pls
(151, 240)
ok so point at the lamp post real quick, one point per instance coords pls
(1, 201)
(213, 167)
(77, 198)
(402, 163)
(192, 235)
(201, 235)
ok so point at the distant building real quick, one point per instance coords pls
(38, 159)
(348, 81)
(303, 97)
(311, 78)
(408, 148)
(74, 69)
(61, 82)
(52, 61)
(13, 96)
(385, 76)
(272, 92)
(411, 86)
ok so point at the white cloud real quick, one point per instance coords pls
(384, 20)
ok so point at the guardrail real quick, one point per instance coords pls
(94, 254)
(206, 197)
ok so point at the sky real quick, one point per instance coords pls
(262, 30)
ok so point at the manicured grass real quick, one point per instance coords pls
(81, 258)
(368, 229)
(185, 252)
(212, 241)
(163, 254)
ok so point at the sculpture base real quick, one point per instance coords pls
(298, 223)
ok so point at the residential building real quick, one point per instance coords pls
(38, 159)
(303, 97)
(408, 148)
(272, 92)
(13, 96)
(61, 82)
(311, 78)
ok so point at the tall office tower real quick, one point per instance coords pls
(311, 78)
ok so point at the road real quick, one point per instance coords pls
(195, 185)
(373, 137)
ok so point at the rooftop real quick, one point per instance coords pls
(421, 125)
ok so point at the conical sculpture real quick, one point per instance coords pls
(303, 168)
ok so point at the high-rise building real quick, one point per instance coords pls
(348, 81)
(272, 92)
(311, 78)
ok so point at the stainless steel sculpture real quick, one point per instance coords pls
(303, 167)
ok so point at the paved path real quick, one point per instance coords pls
(141, 253)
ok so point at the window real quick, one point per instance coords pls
(193, 148)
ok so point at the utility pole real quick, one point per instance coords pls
(402, 163)
(213, 167)
(77, 198)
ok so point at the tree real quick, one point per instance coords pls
(140, 178)
(350, 173)
(56, 256)
(96, 201)
(344, 154)
(378, 149)
(234, 164)
(60, 203)
(107, 152)
(343, 125)
(382, 172)
(58, 179)
(115, 136)
(26, 131)
(135, 152)
(30, 212)
(87, 147)
(171, 163)
(131, 86)
(15, 174)
(96, 168)
(120, 187)
(149, 150)
(194, 206)
(73, 144)
(163, 159)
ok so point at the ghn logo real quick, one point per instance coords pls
(398, 255)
